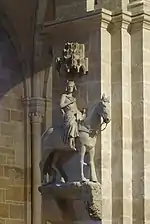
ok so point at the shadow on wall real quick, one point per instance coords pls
(11, 71)
(12, 146)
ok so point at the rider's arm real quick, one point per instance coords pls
(62, 101)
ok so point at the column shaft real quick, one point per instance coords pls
(146, 96)
(121, 121)
(27, 129)
(36, 176)
(140, 33)
(105, 71)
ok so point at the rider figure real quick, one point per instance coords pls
(71, 115)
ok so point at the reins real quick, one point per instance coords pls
(105, 125)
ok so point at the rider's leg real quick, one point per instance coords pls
(72, 143)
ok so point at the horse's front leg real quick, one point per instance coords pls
(93, 176)
(43, 178)
(43, 169)
(52, 175)
(82, 155)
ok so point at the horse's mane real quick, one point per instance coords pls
(90, 111)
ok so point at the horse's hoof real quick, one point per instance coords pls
(86, 164)
(94, 181)
(84, 180)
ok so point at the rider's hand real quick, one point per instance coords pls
(74, 100)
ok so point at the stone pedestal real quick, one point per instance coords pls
(72, 203)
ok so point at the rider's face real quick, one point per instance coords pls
(70, 88)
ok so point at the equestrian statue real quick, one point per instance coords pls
(77, 134)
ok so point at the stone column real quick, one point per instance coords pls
(105, 72)
(28, 187)
(36, 176)
(36, 110)
(140, 33)
(146, 96)
(121, 120)
(100, 82)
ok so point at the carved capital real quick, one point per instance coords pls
(35, 117)
(37, 105)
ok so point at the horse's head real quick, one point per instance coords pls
(103, 110)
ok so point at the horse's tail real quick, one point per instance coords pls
(44, 133)
(48, 130)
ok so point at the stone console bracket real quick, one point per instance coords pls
(72, 202)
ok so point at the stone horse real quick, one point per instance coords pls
(55, 153)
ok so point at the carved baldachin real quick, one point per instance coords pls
(73, 61)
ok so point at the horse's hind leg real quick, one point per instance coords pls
(44, 173)
(82, 155)
(57, 167)
(52, 176)
(93, 176)
(64, 176)
(43, 178)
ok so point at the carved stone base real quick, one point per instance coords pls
(72, 203)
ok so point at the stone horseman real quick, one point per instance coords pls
(71, 115)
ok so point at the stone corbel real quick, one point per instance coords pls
(73, 202)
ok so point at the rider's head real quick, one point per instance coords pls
(71, 87)
(105, 99)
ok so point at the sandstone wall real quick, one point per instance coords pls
(12, 140)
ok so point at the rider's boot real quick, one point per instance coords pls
(72, 144)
